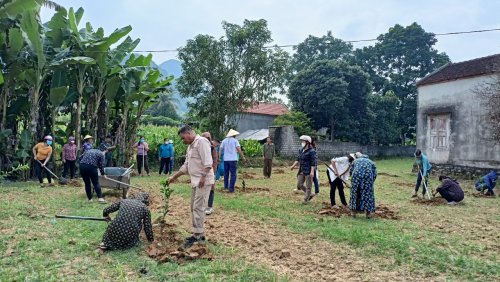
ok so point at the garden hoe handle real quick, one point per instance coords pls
(82, 217)
(122, 183)
(53, 174)
(425, 184)
(330, 169)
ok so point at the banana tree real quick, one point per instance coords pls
(141, 85)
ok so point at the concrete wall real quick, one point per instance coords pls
(247, 121)
(288, 145)
(469, 143)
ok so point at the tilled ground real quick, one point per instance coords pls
(381, 211)
(431, 202)
(298, 256)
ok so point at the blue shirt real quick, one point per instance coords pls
(307, 159)
(166, 151)
(228, 147)
(424, 165)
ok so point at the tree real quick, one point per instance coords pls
(299, 120)
(397, 60)
(335, 95)
(383, 116)
(164, 107)
(314, 49)
(230, 74)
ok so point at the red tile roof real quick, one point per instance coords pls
(272, 109)
(453, 71)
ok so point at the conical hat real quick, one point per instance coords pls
(232, 133)
(87, 137)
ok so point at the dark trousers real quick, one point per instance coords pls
(140, 159)
(39, 170)
(337, 183)
(268, 167)
(211, 199)
(164, 165)
(419, 181)
(316, 183)
(89, 174)
(230, 168)
(71, 167)
(109, 162)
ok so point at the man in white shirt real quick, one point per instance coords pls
(230, 148)
(338, 175)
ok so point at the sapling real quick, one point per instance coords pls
(166, 192)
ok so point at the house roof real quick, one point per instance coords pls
(256, 134)
(272, 109)
(453, 71)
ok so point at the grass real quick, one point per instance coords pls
(454, 243)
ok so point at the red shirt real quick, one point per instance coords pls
(69, 152)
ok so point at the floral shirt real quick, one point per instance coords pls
(95, 158)
(69, 151)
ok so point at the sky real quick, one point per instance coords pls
(165, 24)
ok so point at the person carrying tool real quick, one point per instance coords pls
(307, 162)
(338, 175)
(42, 153)
(90, 162)
(215, 158)
(142, 155)
(124, 231)
(450, 190)
(424, 170)
(199, 166)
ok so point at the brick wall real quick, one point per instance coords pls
(288, 144)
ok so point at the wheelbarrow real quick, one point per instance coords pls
(117, 178)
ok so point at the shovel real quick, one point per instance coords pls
(61, 180)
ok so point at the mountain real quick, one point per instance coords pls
(173, 67)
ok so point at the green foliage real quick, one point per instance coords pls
(335, 95)
(154, 137)
(227, 75)
(251, 148)
(166, 192)
(299, 120)
(383, 116)
(19, 168)
(164, 107)
(314, 49)
(397, 60)
(159, 121)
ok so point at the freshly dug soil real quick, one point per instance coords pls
(167, 247)
(279, 171)
(431, 202)
(481, 195)
(75, 183)
(250, 189)
(248, 175)
(381, 211)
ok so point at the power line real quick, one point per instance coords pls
(348, 41)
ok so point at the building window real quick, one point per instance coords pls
(439, 131)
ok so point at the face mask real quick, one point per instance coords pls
(49, 142)
(165, 143)
(304, 144)
(142, 140)
(72, 142)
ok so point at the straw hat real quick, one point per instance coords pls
(232, 133)
(87, 137)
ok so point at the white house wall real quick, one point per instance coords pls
(469, 133)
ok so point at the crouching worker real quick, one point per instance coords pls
(123, 232)
(450, 190)
(487, 182)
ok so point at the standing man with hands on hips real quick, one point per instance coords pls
(198, 166)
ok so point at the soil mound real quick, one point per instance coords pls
(279, 171)
(388, 174)
(167, 246)
(381, 211)
(431, 202)
(250, 189)
(248, 175)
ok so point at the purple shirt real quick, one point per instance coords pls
(69, 152)
(142, 149)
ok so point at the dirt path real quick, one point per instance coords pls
(301, 257)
